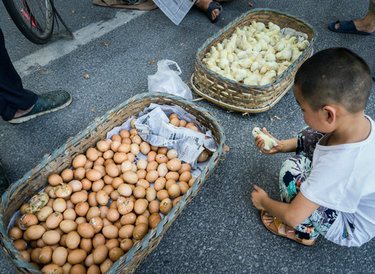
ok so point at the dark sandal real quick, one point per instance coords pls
(279, 228)
(346, 27)
(211, 7)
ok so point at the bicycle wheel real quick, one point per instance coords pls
(34, 18)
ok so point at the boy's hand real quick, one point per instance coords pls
(257, 197)
(259, 142)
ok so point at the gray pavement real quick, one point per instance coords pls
(219, 231)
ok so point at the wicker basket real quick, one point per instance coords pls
(36, 179)
(240, 97)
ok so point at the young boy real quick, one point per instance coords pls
(328, 187)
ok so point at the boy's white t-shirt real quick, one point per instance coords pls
(343, 178)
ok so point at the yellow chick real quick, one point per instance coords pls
(268, 141)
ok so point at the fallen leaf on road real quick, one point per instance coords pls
(250, 4)
(83, 17)
(105, 44)
(277, 117)
(271, 118)
(151, 62)
(86, 76)
(73, 11)
(93, 110)
(226, 149)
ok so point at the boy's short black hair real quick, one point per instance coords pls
(335, 76)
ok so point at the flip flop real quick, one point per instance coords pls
(346, 27)
(279, 228)
(212, 6)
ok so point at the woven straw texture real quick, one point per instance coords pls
(240, 97)
(36, 179)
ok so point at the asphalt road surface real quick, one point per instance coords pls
(219, 231)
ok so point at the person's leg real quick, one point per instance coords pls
(204, 5)
(367, 23)
(12, 94)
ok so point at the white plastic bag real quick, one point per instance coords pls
(168, 80)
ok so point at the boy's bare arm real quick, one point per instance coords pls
(288, 145)
(291, 214)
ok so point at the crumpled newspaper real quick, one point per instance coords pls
(153, 127)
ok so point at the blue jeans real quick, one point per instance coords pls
(294, 171)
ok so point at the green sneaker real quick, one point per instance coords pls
(46, 103)
(4, 182)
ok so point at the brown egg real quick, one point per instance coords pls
(116, 182)
(185, 176)
(54, 220)
(154, 220)
(107, 179)
(25, 255)
(175, 121)
(112, 243)
(92, 199)
(20, 244)
(15, 233)
(184, 167)
(93, 269)
(80, 196)
(108, 155)
(79, 161)
(144, 148)
(140, 206)
(99, 161)
(116, 137)
(72, 240)
(159, 184)
(115, 145)
(120, 157)
(77, 269)
(98, 240)
(114, 195)
(77, 256)
(169, 183)
(102, 197)
(115, 253)
(55, 179)
(134, 149)
(89, 261)
(174, 164)
(173, 115)
(68, 225)
(79, 173)
(104, 211)
(99, 254)
(143, 183)
(93, 212)
(93, 174)
(139, 192)
(75, 185)
(88, 165)
(124, 205)
(102, 145)
(154, 206)
(128, 219)
(162, 169)
(86, 230)
(152, 165)
(80, 220)
(161, 158)
(67, 175)
(124, 133)
(66, 267)
(110, 231)
(113, 214)
(176, 200)
(106, 265)
(165, 206)
(52, 268)
(35, 254)
(126, 231)
(45, 255)
(172, 175)
(124, 147)
(141, 219)
(126, 244)
(162, 194)
(69, 214)
(151, 156)
(63, 191)
(162, 150)
(40, 243)
(174, 191)
(86, 244)
(130, 177)
(152, 175)
(184, 187)
(92, 154)
(182, 123)
(86, 184)
(140, 231)
(203, 156)
(69, 204)
(59, 205)
(191, 182)
(51, 237)
(97, 185)
(108, 189)
(96, 223)
(27, 220)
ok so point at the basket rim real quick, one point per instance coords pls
(7, 243)
(232, 24)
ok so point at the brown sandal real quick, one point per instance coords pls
(279, 228)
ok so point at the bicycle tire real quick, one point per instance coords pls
(36, 28)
